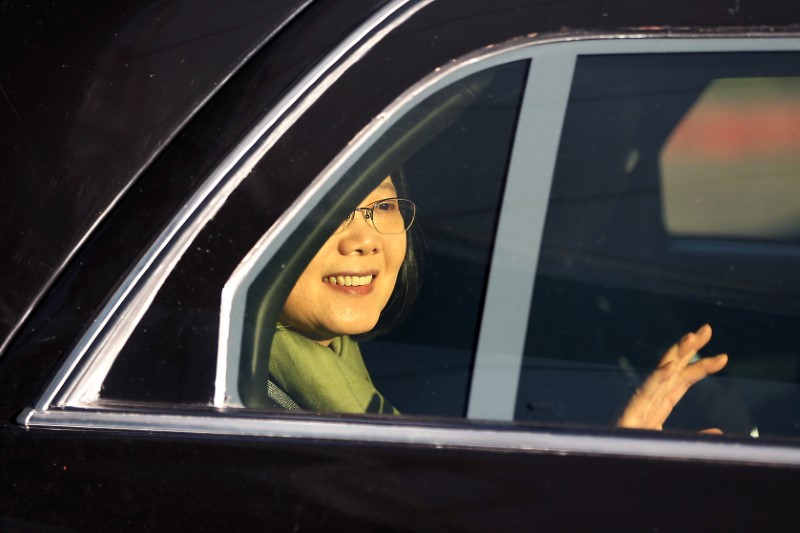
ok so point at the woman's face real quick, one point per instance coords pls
(365, 265)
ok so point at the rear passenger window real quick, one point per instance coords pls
(448, 154)
(673, 204)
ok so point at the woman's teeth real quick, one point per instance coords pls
(348, 281)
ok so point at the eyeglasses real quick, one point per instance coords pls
(390, 216)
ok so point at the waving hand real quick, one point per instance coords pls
(663, 389)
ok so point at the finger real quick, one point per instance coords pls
(672, 385)
(694, 373)
(712, 365)
(687, 346)
(670, 356)
(702, 368)
(691, 343)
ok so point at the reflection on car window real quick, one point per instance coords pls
(671, 207)
(732, 166)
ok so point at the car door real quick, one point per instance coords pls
(156, 416)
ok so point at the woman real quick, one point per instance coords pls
(316, 365)
(342, 293)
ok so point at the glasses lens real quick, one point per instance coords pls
(345, 222)
(393, 215)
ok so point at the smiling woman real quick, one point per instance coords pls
(349, 281)
(313, 363)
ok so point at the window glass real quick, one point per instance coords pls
(671, 207)
(449, 155)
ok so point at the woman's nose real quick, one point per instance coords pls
(359, 237)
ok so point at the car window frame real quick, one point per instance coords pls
(49, 413)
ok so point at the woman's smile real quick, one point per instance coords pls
(349, 280)
(355, 284)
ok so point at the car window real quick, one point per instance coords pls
(449, 155)
(204, 337)
(671, 207)
(553, 272)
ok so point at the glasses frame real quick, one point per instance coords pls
(368, 212)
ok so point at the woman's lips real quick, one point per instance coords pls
(350, 283)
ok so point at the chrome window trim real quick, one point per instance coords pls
(74, 385)
(198, 106)
(713, 449)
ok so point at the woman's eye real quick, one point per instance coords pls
(386, 206)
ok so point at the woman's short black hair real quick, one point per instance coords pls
(409, 279)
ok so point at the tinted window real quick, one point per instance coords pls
(452, 151)
(457, 181)
(671, 207)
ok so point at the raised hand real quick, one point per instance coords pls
(663, 389)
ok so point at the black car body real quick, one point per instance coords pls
(165, 167)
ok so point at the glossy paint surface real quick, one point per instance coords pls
(91, 93)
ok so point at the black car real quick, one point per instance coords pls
(592, 179)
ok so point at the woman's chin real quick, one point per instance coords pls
(355, 327)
